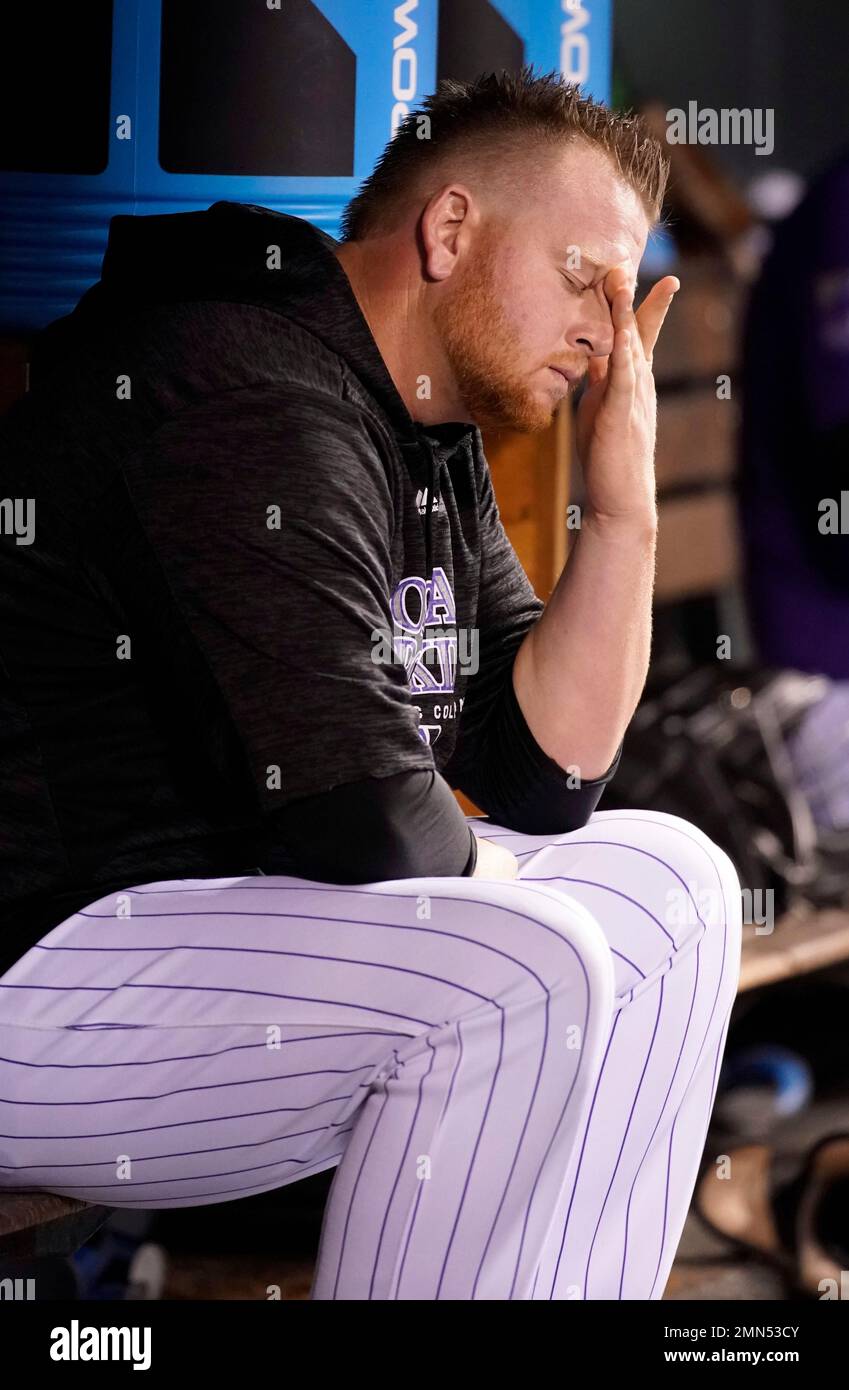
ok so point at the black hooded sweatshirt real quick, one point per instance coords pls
(253, 618)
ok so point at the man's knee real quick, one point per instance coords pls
(533, 933)
(701, 885)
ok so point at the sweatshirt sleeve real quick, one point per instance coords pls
(271, 515)
(497, 762)
(407, 825)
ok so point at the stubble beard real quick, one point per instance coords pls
(480, 347)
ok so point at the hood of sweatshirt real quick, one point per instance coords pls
(223, 253)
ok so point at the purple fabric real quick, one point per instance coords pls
(819, 752)
(795, 429)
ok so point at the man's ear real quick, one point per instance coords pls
(447, 224)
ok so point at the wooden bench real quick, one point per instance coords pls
(803, 940)
(36, 1224)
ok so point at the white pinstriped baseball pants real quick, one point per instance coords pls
(513, 1079)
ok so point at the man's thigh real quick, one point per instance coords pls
(201, 1040)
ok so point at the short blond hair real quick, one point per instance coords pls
(502, 114)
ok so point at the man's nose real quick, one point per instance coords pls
(594, 334)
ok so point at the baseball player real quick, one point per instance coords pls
(259, 620)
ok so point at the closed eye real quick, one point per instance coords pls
(576, 285)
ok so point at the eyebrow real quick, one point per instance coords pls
(588, 261)
(586, 258)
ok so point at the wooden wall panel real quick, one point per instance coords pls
(530, 477)
(697, 545)
(696, 438)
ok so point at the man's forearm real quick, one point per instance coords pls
(580, 671)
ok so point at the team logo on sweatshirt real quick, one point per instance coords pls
(425, 638)
(436, 502)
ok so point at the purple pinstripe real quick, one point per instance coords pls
(481, 1157)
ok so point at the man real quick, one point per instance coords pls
(269, 619)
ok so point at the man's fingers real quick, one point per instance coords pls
(654, 309)
(622, 314)
(597, 369)
(645, 324)
(614, 281)
(635, 333)
(621, 370)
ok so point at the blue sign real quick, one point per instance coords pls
(156, 106)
